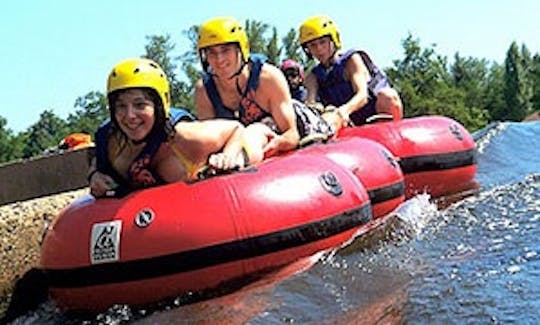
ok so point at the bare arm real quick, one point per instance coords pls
(205, 109)
(200, 140)
(275, 88)
(99, 183)
(312, 88)
(356, 72)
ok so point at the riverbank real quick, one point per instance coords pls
(22, 227)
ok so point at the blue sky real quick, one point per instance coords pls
(57, 50)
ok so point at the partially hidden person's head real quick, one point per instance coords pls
(139, 98)
(76, 141)
(294, 72)
(314, 29)
(217, 37)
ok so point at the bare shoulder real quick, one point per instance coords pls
(199, 88)
(355, 61)
(270, 73)
(272, 79)
(355, 67)
(205, 109)
(310, 76)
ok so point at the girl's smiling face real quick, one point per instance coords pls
(134, 112)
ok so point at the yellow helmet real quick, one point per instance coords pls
(140, 73)
(222, 30)
(317, 27)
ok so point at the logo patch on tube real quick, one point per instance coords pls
(105, 242)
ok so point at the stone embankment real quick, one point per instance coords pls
(22, 228)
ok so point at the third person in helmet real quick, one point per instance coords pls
(294, 72)
(347, 80)
(239, 85)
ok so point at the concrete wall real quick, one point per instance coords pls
(44, 176)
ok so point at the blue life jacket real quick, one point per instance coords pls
(249, 111)
(300, 94)
(144, 159)
(334, 89)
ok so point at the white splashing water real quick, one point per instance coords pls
(416, 212)
(483, 139)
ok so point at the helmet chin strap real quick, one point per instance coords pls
(239, 71)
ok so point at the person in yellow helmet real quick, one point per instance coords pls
(146, 143)
(348, 81)
(240, 85)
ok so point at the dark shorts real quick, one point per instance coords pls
(359, 117)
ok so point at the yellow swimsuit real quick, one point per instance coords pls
(191, 168)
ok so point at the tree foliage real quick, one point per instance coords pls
(10, 146)
(535, 71)
(518, 86)
(90, 111)
(427, 85)
(159, 49)
(45, 133)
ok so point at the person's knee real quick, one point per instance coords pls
(255, 140)
(388, 101)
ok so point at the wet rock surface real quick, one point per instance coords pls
(22, 228)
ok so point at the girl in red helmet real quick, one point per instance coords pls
(294, 72)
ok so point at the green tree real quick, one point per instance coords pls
(255, 31)
(273, 50)
(45, 133)
(426, 86)
(518, 85)
(292, 50)
(159, 49)
(10, 147)
(90, 111)
(190, 59)
(528, 82)
(419, 75)
(494, 98)
(470, 75)
(535, 71)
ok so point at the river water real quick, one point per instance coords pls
(476, 261)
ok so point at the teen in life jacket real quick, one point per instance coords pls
(145, 143)
(294, 72)
(237, 85)
(349, 80)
